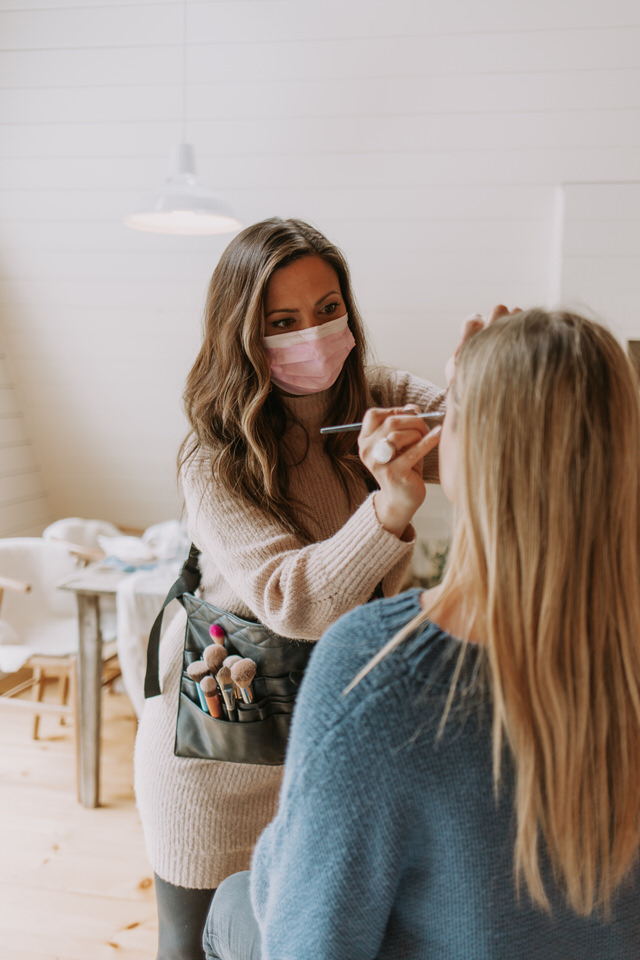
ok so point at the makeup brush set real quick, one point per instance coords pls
(223, 681)
(236, 693)
(238, 684)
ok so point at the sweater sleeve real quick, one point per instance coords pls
(325, 872)
(395, 388)
(295, 588)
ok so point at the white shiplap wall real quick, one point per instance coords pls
(23, 502)
(599, 253)
(427, 139)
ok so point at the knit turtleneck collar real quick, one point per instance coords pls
(310, 410)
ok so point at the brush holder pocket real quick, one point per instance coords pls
(258, 731)
(257, 736)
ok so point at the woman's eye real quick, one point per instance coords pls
(282, 324)
(330, 308)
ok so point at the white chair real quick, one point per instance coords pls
(39, 625)
(81, 537)
(128, 616)
(76, 531)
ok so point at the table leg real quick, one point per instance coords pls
(89, 699)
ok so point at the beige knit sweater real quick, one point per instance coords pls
(201, 818)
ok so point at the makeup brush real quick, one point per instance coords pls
(229, 662)
(225, 685)
(197, 670)
(216, 633)
(231, 659)
(353, 427)
(209, 689)
(242, 674)
(214, 656)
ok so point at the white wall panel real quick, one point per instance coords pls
(293, 20)
(426, 139)
(86, 67)
(17, 459)
(402, 96)
(24, 260)
(113, 104)
(24, 5)
(100, 26)
(232, 98)
(600, 252)
(463, 15)
(8, 401)
(449, 56)
(24, 518)
(318, 136)
(23, 502)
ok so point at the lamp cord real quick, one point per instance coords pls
(184, 71)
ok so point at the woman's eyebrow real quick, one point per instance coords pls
(332, 293)
(284, 310)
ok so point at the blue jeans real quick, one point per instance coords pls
(231, 931)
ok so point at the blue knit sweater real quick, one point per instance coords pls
(388, 842)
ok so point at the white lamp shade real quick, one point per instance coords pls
(182, 204)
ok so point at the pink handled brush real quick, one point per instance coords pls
(216, 633)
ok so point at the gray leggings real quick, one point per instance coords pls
(181, 918)
(232, 932)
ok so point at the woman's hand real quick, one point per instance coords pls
(402, 488)
(471, 326)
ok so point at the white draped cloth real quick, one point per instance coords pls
(139, 598)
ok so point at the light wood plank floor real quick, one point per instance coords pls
(75, 884)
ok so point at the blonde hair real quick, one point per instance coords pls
(237, 420)
(546, 558)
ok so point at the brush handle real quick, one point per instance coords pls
(202, 698)
(215, 707)
(226, 691)
(353, 427)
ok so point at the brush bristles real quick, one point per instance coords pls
(209, 685)
(243, 672)
(224, 676)
(229, 661)
(197, 670)
(214, 656)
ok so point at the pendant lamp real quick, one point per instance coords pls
(183, 204)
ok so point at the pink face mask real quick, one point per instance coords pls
(309, 361)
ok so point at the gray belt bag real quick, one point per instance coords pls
(258, 731)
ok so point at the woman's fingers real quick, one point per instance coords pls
(403, 448)
(498, 311)
(415, 452)
(501, 311)
(375, 417)
(470, 327)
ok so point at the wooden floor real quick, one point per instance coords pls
(75, 884)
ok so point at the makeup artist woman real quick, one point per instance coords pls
(291, 527)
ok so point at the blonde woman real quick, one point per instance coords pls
(463, 774)
(293, 529)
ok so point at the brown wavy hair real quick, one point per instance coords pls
(238, 420)
(545, 566)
